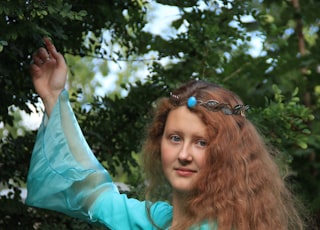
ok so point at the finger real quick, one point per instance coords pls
(37, 61)
(53, 52)
(43, 54)
(34, 70)
(51, 48)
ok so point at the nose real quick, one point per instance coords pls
(185, 155)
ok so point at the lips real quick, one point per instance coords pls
(185, 172)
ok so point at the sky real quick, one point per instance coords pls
(159, 19)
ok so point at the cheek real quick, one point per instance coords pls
(202, 159)
(166, 157)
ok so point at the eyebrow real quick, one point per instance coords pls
(194, 134)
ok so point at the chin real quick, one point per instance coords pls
(182, 190)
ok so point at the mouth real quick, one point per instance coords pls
(185, 172)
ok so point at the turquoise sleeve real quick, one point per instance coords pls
(65, 176)
(130, 213)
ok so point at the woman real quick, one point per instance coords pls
(200, 145)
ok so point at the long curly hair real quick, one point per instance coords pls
(241, 186)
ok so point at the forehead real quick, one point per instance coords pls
(182, 119)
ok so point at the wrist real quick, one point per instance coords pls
(50, 101)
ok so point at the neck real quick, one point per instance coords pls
(179, 201)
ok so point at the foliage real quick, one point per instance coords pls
(209, 40)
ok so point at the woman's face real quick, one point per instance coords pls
(183, 148)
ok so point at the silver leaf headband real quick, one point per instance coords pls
(212, 105)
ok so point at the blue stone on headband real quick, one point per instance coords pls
(192, 102)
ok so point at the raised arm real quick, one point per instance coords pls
(64, 174)
(49, 74)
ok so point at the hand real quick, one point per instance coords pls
(49, 74)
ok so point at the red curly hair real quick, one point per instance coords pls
(241, 187)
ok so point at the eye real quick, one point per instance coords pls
(175, 138)
(202, 143)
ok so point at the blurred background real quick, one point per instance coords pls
(123, 55)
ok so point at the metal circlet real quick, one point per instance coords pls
(213, 105)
